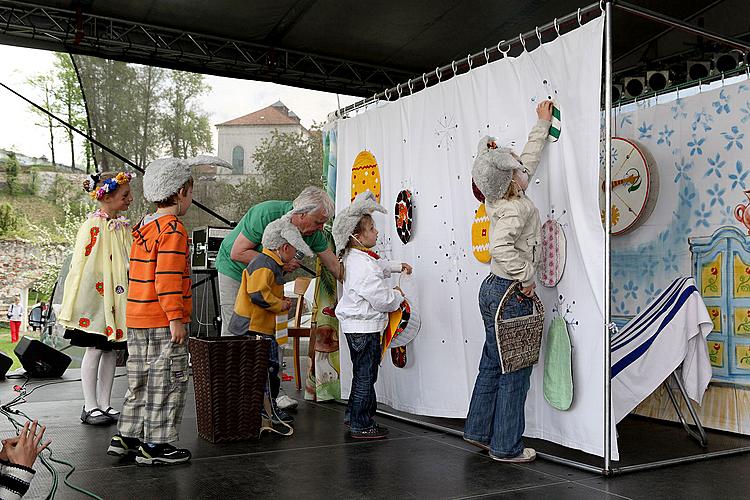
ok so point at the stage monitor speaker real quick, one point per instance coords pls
(5, 363)
(40, 360)
(634, 86)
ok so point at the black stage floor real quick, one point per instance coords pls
(321, 461)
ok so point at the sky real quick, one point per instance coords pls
(229, 98)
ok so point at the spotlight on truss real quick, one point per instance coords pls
(697, 70)
(727, 61)
(634, 86)
(616, 92)
(658, 80)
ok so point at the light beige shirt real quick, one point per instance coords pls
(515, 228)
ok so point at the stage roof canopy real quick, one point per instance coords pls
(350, 47)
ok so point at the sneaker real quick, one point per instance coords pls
(375, 432)
(278, 416)
(478, 444)
(286, 403)
(527, 455)
(121, 446)
(161, 454)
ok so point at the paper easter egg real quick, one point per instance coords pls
(553, 254)
(555, 129)
(480, 235)
(404, 215)
(365, 175)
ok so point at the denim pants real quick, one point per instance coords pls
(364, 349)
(274, 363)
(496, 413)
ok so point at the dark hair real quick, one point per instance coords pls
(172, 199)
(359, 228)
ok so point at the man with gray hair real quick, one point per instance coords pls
(308, 212)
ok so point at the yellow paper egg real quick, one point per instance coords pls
(365, 175)
(480, 235)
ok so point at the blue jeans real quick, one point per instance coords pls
(496, 413)
(364, 349)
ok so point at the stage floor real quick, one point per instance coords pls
(321, 461)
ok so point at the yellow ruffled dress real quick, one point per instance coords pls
(96, 288)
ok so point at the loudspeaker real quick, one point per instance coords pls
(40, 360)
(5, 363)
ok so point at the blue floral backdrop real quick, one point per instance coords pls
(699, 147)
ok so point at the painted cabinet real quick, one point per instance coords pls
(721, 267)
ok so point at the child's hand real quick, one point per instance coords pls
(7, 443)
(406, 268)
(292, 265)
(178, 331)
(26, 447)
(544, 111)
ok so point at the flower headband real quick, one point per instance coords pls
(109, 185)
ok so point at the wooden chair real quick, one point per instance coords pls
(296, 332)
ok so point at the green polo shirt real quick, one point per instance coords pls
(252, 225)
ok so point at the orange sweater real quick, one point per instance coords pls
(160, 285)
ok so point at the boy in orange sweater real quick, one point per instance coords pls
(158, 312)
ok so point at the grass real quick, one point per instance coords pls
(7, 347)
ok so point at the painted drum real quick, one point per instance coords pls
(404, 215)
(365, 175)
(403, 326)
(553, 256)
(480, 235)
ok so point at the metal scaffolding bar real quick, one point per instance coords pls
(86, 34)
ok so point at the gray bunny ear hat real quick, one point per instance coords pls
(164, 177)
(493, 170)
(346, 221)
(283, 231)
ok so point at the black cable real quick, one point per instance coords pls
(86, 108)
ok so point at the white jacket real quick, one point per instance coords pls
(515, 228)
(367, 297)
(16, 312)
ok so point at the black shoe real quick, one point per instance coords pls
(376, 432)
(278, 416)
(161, 454)
(121, 446)
(95, 417)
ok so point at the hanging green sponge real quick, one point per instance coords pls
(558, 366)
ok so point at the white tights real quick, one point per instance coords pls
(97, 378)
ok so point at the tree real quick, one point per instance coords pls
(11, 174)
(45, 83)
(68, 97)
(185, 128)
(287, 162)
(148, 90)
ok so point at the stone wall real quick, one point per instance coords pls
(20, 265)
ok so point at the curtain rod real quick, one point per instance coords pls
(502, 48)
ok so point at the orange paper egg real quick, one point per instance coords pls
(365, 175)
(480, 235)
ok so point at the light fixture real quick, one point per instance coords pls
(616, 92)
(727, 61)
(658, 80)
(697, 70)
(634, 86)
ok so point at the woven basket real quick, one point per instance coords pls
(230, 378)
(518, 339)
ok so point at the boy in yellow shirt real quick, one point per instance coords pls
(261, 295)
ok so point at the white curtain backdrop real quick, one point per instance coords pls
(426, 143)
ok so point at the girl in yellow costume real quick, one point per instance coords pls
(96, 292)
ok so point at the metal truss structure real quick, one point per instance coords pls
(78, 32)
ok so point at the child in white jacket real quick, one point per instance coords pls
(362, 311)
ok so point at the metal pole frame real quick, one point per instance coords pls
(607, 470)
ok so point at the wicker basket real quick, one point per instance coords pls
(230, 377)
(518, 339)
